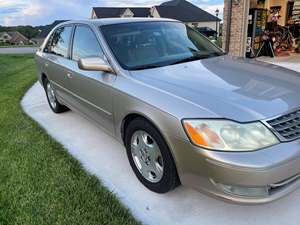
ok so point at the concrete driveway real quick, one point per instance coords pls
(291, 62)
(17, 50)
(104, 157)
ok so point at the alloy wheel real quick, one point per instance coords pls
(147, 156)
(51, 95)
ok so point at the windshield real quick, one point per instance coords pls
(154, 44)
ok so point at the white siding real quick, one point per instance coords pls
(94, 16)
(127, 13)
(154, 13)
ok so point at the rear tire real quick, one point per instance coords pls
(55, 106)
(160, 175)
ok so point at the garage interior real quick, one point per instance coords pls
(274, 30)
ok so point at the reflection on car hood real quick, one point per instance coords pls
(238, 89)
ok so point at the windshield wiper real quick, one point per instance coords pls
(196, 57)
(144, 67)
(189, 59)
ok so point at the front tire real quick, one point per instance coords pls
(150, 157)
(55, 106)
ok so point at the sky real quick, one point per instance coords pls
(42, 12)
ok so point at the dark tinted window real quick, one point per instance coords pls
(85, 44)
(59, 42)
(155, 44)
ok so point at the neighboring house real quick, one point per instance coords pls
(13, 38)
(17, 38)
(4, 37)
(186, 12)
(38, 40)
(45, 30)
(115, 12)
(177, 9)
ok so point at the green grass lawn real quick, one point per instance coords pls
(40, 183)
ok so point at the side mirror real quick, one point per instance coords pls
(94, 64)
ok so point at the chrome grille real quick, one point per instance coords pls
(287, 126)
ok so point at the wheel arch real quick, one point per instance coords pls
(43, 78)
(130, 117)
(133, 115)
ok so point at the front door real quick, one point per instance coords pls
(92, 89)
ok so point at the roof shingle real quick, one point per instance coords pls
(184, 11)
(113, 12)
(176, 9)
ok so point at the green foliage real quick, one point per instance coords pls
(40, 183)
(4, 43)
(217, 42)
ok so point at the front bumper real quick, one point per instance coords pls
(275, 168)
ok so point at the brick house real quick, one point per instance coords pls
(13, 38)
(4, 37)
(176, 9)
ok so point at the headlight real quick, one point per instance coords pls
(226, 135)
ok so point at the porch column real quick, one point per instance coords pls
(238, 28)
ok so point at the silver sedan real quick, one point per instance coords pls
(186, 113)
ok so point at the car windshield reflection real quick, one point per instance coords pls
(139, 46)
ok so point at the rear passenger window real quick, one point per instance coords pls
(85, 44)
(59, 42)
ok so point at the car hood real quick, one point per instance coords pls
(238, 89)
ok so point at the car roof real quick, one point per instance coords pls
(110, 21)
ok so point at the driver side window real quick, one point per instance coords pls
(85, 44)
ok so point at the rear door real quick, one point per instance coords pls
(93, 89)
(57, 58)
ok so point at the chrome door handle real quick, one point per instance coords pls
(69, 75)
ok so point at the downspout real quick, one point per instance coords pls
(228, 28)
